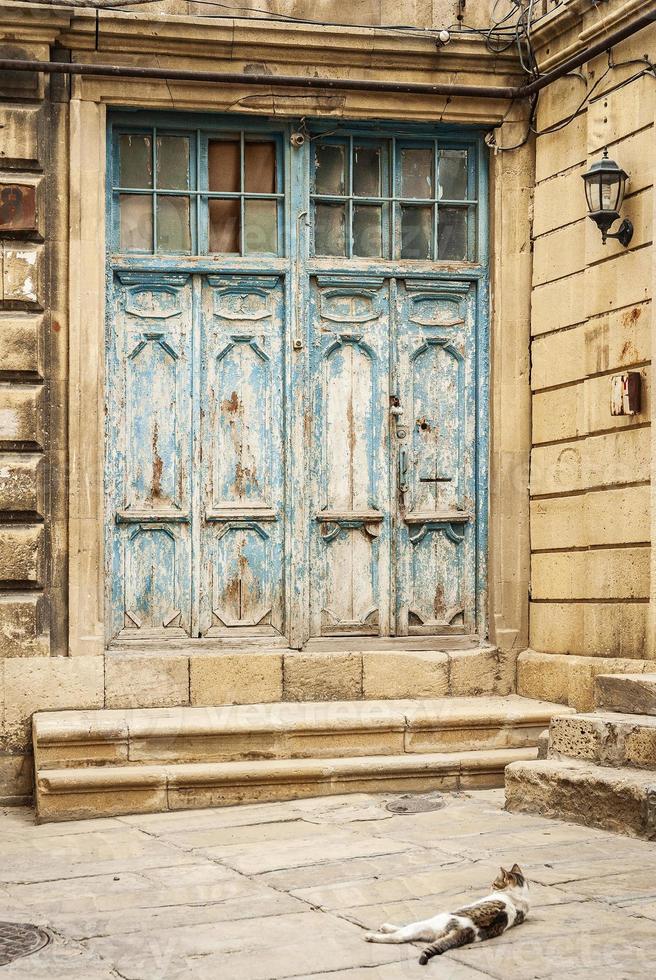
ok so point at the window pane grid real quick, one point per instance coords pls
(425, 195)
(169, 217)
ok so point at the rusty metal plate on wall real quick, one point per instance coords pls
(19, 939)
(17, 207)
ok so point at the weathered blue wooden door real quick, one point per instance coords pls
(242, 437)
(296, 375)
(395, 459)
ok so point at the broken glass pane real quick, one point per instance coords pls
(224, 165)
(173, 232)
(417, 172)
(260, 168)
(224, 221)
(173, 162)
(329, 174)
(453, 175)
(136, 161)
(366, 171)
(416, 233)
(367, 230)
(452, 233)
(329, 229)
(261, 227)
(136, 222)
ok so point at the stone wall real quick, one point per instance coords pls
(591, 318)
(33, 396)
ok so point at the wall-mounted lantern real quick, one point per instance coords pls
(605, 184)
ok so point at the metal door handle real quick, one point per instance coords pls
(403, 469)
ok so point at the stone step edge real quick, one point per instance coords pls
(57, 728)
(621, 719)
(108, 778)
(578, 771)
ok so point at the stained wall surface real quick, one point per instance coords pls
(591, 318)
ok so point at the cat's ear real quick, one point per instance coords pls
(516, 870)
(504, 873)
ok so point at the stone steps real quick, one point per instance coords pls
(621, 800)
(87, 792)
(91, 763)
(626, 693)
(600, 767)
(607, 738)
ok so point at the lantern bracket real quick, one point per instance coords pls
(624, 234)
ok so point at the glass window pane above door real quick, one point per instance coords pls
(173, 163)
(330, 229)
(136, 160)
(452, 233)
(173, 224)
(224, 165)
(224, 226)
(417, 172)
(261, 227)
(368, 230)
(136, 222)
(453, 174)
(330, 169)
(260, 168)
(416, 232)
(367, 171)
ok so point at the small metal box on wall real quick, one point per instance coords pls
(625, 393)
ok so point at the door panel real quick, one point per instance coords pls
(437, 390)
(242, 434)
(149, 454)
(350, 513)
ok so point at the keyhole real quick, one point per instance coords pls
(423, 424)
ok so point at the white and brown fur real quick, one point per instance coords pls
(506, 905)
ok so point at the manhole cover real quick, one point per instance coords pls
(416, 804)
(20, 939)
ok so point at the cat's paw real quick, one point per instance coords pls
(388, 927)
(369, 937)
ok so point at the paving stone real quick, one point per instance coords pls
(381, 866)
(267, 833)
(407, 967)
(296, 853)
(273, 947)
(137, 898)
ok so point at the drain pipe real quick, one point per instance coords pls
(339, 84)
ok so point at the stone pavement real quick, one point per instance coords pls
(286, 890)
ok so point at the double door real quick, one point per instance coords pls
(292, 455)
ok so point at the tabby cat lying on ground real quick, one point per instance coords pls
(505, 906)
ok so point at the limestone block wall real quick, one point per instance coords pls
(591, 318)
(33, 361)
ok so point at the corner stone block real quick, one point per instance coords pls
(567, 679)
(134, 681)
(20, 343)
(20, 134)
(16, 779)
(484, 671)
(21, 415)
(21, 628)
(21, 484)
(235, 678)
(21, 554)
(22, 273)
(543, 676)
(322, 676)
(422, 674)
(46, 684)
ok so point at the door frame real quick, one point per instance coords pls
(89, 147)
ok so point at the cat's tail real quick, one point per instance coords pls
(453, 939)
